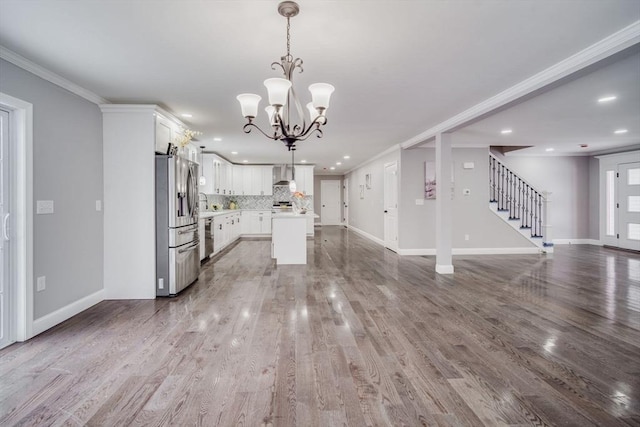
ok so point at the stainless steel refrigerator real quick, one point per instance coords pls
(177, 240)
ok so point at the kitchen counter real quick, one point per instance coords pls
(293, 215)
(209, 214)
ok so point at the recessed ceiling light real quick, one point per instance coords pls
(549, 149)
(506, 131)
(217, 139)
(245, 161)
(186, 115)
(620, 131)
(607, 98)
(234, 152)
(332, 168)
(346, 157)
(303, 161)
(338, 163)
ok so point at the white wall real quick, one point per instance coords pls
(67, 157)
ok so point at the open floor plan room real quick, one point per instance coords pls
(358, 336)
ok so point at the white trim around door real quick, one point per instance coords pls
(21, 148)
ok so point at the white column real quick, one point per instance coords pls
(547, 235)
(444, 213)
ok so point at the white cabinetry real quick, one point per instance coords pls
(256, 222)
(131, 136)
(238, 180)
(207, 171)
(304, 179)
(226, 230)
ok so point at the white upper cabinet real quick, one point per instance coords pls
(304, 179)
(237, 189)
(207, 172)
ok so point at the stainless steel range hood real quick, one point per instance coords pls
(283, 176)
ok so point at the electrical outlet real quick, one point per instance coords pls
(98, 205)
(41, 284)
(161, 283)
(466, 237)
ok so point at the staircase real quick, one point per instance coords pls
(519, 204)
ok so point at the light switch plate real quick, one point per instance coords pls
(41, 284)
(98, 205)
(468, 165)
(419, 202)
(44, 207)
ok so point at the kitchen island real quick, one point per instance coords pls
(289, 237)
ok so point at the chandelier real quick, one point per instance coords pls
(282, 96)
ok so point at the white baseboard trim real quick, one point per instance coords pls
(52, 319)
(472, 251)
(444, 269)
(367, 235)
(577, 242)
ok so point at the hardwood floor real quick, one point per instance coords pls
(359, 336)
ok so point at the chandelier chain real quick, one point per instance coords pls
(288, 38)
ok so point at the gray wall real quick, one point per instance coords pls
(367, 214)
(594, 198)
(568, 178)
(67, 164)
(471, 214)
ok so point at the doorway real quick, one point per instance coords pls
(622, 206)
(345, 202)
(391, 206)
(16, 230)
(6, 293)
(330, 201)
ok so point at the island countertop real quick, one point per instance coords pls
(294, 215)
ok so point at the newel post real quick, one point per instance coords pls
(547, 235)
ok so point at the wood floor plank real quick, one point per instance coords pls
(358, 337)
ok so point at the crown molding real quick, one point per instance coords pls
(49, 76)
(140, 109)
(386, 152)
(615, 43)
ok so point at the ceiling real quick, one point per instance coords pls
(399, 67)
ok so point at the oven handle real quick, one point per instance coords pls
(190, 248)
(188, 231)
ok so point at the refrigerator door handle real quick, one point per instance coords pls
(190, 248)
(188, 231)
(5, 227)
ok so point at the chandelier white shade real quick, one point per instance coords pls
(286, 116)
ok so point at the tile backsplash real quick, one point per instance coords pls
(280, 194)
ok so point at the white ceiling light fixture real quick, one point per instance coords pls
(338, 163)
(303, 161)
(187, 115)
(549, 149)
(347, 157)
(234, 152)
(283, 101)
(607, 99)
(217, 139)
(332, 168)
(506, 131)
(620, 131)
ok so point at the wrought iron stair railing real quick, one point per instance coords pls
(514, 195)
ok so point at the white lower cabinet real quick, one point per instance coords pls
(256, 222)
(227, 228)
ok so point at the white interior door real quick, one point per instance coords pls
(5, 291)
(345, 201)
(330, 200)
(629, 205)
(391, 206)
